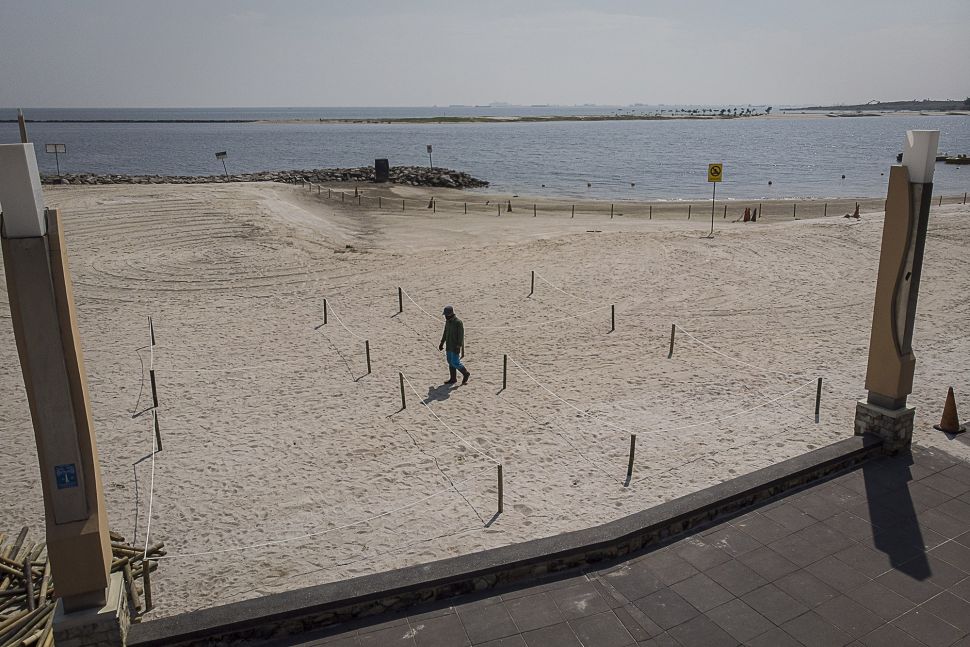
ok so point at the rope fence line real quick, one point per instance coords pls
(734, 359)
(556, 287)
(443, 424)
(151, 488)
(341, 321)
(513, 326)
(500, 206)
(606, 423)
(277, 542)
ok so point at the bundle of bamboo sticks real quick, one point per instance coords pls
(27, 586)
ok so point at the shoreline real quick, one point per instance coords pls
(482, 119)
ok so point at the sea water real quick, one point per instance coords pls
(618, 160)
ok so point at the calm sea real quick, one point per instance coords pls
(620, 159)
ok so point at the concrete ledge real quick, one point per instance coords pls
(282, 614)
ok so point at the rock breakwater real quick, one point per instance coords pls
(410, 175)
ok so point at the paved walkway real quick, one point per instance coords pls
(880, 556)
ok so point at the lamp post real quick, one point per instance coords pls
(41, 297)
(430, 163)
(889, 377)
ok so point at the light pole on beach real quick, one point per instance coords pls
(430, 163)
(892, 363)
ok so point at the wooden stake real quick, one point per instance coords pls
(29, 584)
(342, 196)
(611, 211)
(466, 207)
(673, 330)
(402, 204)
(651, 212)
(941, 201)
(151, 374)
(404, 403)
(434, 206)
(725, 213)
(532, 289)
(151, 328)
(825, 211)
(510, 206)
(574, 212)
(633, 451)
(612, 317)
(400, 300)
(505, 371)
(818, 398)
(324, 312)
(367, 352)
(380, 203)
(130, 590)
(793, 208)
(146, 581)
(761, 212)
(158, 434)
(533, 211)
(501, 490)
(688, 212)
(329, 195)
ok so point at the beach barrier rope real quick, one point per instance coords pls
(512, 326)
(445, 425)
(711, 421)
(556, 287)
(319, 533)
(760, 369)
(151, 489)
(341, 322)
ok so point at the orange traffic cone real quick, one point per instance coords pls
(950, 423)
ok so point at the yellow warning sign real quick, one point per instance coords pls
(714, 172)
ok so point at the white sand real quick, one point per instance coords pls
(271, 431)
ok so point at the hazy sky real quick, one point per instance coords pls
(162, 53)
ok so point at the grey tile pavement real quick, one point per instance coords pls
(879, 556)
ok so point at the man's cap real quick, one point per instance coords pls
(449, 310)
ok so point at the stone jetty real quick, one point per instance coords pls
(410, 175)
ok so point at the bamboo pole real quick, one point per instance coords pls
(501, 490)
(29, 586)
(673, 331)
(505, 371)
(367, 352)
(404, 402)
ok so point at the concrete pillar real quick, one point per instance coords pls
(889, 377)
(45, 328)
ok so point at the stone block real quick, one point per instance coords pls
(893, 426)
(104, 627)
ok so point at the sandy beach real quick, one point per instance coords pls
(286, 465)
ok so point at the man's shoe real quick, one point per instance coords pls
(454, 375)
(465, 376)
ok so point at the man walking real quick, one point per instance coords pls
(453, 341)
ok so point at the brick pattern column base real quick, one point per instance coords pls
(895, 427)
(104, 627)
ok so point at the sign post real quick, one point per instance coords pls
(57, 149)
(714, 174)
(221, 155)
(430, 163)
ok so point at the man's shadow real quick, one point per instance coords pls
(439, 393)
(891, 510)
